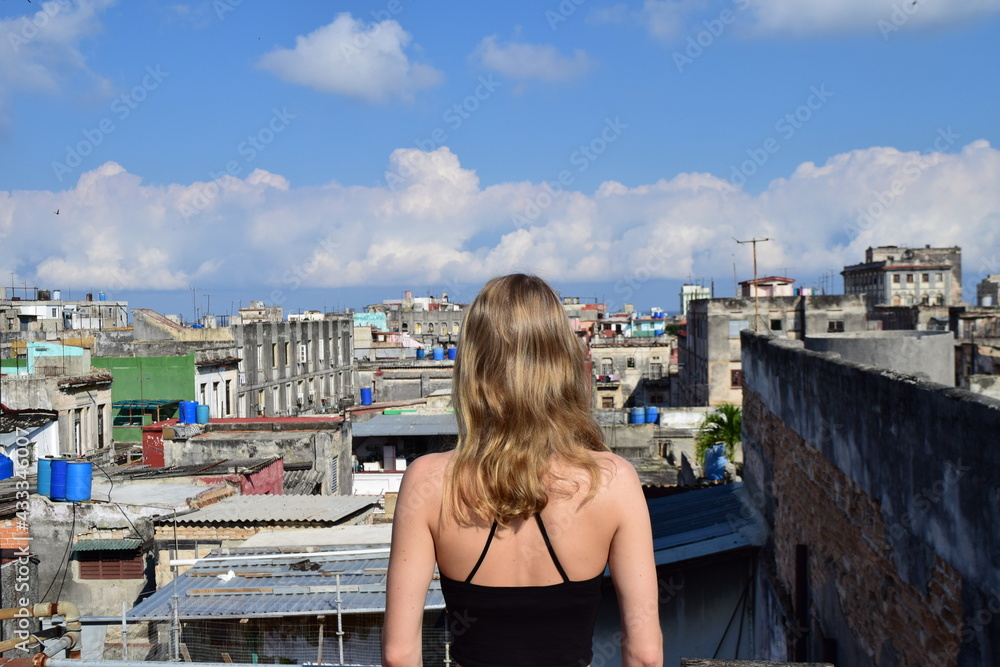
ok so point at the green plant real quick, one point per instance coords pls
(725, 425)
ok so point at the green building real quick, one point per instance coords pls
(147, 389)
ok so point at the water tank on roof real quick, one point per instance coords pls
(79, 478)
(637, 416)
(57, 491)
(6, 467)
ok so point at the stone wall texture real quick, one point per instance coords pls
(892, 486)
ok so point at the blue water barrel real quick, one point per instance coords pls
(652, 414)
(6, 467)
(189, 412)
(101, 296)
(438, 354)
(79, 476)
(452, 351)
(201, 413)
(58, 489)
(659, 332)
(715, 462)
(637, 416)
(45, 476)
(421, 353)
(366, 396)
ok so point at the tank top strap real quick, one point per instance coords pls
(548, 545)
(482, 556)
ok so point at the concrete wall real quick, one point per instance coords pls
(711, 350)
(151, 378)
(987, 385)
(325, 449)
(890, 485)
(52, 526)
(924, 353)
(83, 406)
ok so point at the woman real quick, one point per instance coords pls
(524, 515)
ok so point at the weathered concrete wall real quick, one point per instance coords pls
(890, 483)
(926, 353)
(53, 526)
(988, 385)
(630, 439)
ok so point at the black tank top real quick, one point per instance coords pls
(533, 626)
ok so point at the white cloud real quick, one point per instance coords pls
(666, 19)
(348, 57)
(519, 60)
(440, 225)
(40, 51)
(884, 17)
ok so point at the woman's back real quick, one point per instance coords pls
(580, 534)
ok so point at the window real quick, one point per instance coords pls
(656, 371)
(925, 277)
(203, 393)
(608, 402)
(909, 277)
(274, 355)
(835, 326)
(775, 325)
(112, 564)
(736, 326)
(895, 278)
(938, 277)
(736, 378)
(607, 366)
(229, 393)
(288, 353)
(630, 362)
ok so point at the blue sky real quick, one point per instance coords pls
(337, 153)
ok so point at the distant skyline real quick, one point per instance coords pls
(335, 153)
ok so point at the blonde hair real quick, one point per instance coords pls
(521, 398)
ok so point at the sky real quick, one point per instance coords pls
(192, 156)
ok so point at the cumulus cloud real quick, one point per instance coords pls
(348, 57)
(520, 60)
(872, 16)
(40, 51)
(438, 224)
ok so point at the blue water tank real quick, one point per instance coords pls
(637, 416)
(715, 462)
(659, 332)
(201, 413)
(438, 354)
(189, 412)
(366, 396)
(421, 353)
(58, 489)
(45, 476)
(452, 351)
(101, 296)
(79, 477)
(652, 414)
(6, 467)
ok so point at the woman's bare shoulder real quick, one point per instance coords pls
(618, 472)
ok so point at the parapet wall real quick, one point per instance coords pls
(890, 484)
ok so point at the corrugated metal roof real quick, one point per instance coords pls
(107, 545)
(406, 424)
(258, 509)
(276, 586)
(704, 522)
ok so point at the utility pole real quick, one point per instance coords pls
(754, 241)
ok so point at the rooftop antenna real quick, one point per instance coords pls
(754, 241)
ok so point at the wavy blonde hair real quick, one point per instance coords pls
(521, 398)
